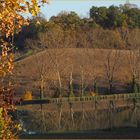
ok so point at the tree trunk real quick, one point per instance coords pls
(110, 87)
(71, 86)
(60, 84)
(42, 88)
(134, 85)
(95, 87)
(82, 84)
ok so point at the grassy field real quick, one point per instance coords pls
(92, 61)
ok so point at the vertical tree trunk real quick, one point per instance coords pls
(110, 87)
(95, 87)
(82, 84)
(42, 87)
(60, 84)
(134, 85)
(71, 85)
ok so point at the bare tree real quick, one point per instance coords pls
(71, 82)
(92, 69)
(134, 68)
(57, 56)
(111, 65)
(42, 68)
(56, 51)
(84, 65)
(88, 74)
(39, 71)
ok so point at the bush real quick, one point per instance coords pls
(93, 94)
(2, 123)
(27, 95)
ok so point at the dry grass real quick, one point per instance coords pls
(27, 70)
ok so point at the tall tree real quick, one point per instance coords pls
(68, 20)
(111, 65)
(99, 15)
(11, 21)
(133, 15)
(134, 68)
(115, 17)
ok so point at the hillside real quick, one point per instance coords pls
(85, 65)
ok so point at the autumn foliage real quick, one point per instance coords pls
(27, 95)
(11, 22)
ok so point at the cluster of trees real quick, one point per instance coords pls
(114, 16)
(11, 22)
(113, 27)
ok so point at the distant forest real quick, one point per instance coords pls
(112, 27)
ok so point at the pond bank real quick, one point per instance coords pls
(116, 133)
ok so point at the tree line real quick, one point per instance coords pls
(113, 27)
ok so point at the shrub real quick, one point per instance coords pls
(1, 123)
(93, 94)
(27, 95)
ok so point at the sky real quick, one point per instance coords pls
(81, 7)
